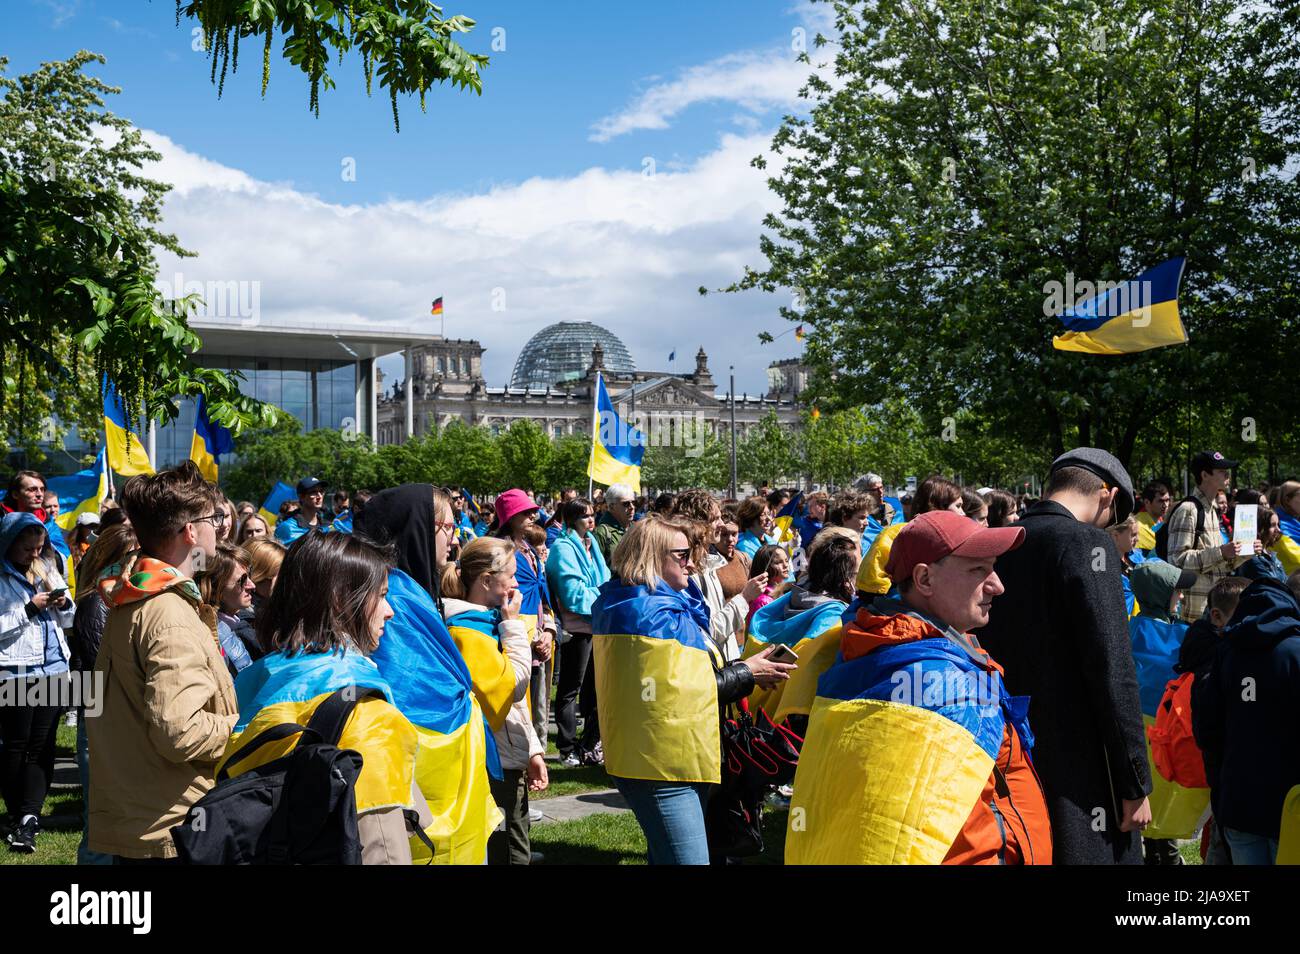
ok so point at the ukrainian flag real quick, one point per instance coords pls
(280, 689)
(883, 778)
(785, 519)
(210, 441)
(616, 448)
(432, 688)
(490, 671)
(126, 455)
(1176, 811)
(1287, 547)
(270, 509)
(67, 520)
(1136, 316)
(813, 634)
(655, 689)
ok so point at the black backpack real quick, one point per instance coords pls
(299, 809)
(1162, 535)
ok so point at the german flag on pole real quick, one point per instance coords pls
(437, 306)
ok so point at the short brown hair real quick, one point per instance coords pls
(849, 503)
(750, 511)
(697, 505)
(159, 505)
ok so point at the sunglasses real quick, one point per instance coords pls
(682, 555)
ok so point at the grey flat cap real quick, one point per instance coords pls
(1106, 466)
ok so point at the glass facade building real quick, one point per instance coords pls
(318, 392)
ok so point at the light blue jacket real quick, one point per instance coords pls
(291, 528)
(574, 575)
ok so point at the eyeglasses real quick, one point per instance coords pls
(242, 581)
(218, 519)
(443, 525)
(681, 555)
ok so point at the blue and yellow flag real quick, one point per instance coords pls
(210, 441)
(1134, 316)
(616, 448)
(785, 519)
(431, 686)
(126, 455)
(1287, 547)
(270, 509)
(655, 690)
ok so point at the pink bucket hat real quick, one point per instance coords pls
(511, 503)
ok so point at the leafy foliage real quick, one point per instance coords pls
(406, 44)
(970, 152)
(78, 224)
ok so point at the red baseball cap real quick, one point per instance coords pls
(936, 534)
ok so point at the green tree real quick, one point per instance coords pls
(525, 455)
(266, 456)
(407, 44)
(78, 225)
(567, 466)
(971, 152)
(467, 456)
(768, 453)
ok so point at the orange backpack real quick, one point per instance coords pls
(1174, 751)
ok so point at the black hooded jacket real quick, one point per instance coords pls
(1248, 709)
(403, 517)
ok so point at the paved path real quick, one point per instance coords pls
(573, 807)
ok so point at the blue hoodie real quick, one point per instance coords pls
(574, 574)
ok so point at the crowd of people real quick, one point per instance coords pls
(969, 675)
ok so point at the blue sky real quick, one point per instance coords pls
(536, 188)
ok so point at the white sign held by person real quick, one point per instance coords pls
(1243, 528)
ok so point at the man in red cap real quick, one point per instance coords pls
(915, 753)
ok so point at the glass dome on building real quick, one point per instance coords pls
(561, 353)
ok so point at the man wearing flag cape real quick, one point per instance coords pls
(915, 752)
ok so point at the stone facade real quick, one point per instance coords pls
(447, 384)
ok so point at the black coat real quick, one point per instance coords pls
(1248, 710)
(1061, 633)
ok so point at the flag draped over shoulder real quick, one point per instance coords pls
(655, 689)
(210, 441)
(126, 455)
(1135, 316)
(431, 686)
(1287, 547)
(270, 509)
(616, 448)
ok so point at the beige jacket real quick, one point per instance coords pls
(169, 706)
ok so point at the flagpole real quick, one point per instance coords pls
(732, 402)
(595, 414)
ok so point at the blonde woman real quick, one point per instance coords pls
(660, 681)
(483, 606)
(264, 559)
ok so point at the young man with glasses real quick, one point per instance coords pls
(168, 700)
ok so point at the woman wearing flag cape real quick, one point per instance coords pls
(430, 681)
(659, 684)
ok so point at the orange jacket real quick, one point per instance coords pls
(1009, 824)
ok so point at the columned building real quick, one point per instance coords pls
(553, 385)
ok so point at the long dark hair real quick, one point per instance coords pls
(324, 595)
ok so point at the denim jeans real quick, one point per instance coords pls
(84, 855)
(1248, 849)
(672, 816)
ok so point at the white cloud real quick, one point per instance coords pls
(756, 81)
(607, 245)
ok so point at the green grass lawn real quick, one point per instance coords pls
(617, 840)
